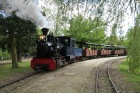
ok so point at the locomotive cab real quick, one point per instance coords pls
(69, 50)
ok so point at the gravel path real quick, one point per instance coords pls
(74, 78)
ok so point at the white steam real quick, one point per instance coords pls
(27, 11)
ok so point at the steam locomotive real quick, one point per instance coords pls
(55, 52)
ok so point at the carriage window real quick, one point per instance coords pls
(66, 41)
(57, 40)
(73, 43)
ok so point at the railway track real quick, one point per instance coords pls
(13, 84)
(103, 80)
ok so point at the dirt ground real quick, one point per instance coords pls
(74, 78)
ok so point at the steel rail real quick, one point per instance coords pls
(108, 74)
(20, 79)
(110, 78)
(97, 78)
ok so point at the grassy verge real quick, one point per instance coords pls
(130, 77)
(6, 71)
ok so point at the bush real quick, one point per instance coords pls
(6, 55)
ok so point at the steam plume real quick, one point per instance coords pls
(26, 10)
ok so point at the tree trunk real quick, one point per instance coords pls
(19, 57)
(14, 51)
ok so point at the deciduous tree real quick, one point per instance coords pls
(87, 29)
(16, 32)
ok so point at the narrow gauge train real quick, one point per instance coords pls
(54, 52)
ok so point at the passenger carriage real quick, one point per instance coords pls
(88, 50)
(103, 50)
(118, 50)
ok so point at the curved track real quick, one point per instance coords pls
(103, 80)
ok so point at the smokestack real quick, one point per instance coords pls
(45, 31)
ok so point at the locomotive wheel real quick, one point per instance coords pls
(35, 69)
(59, 63)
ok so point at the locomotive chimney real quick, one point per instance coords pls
(45, 31)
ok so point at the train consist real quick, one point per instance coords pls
(55, 52)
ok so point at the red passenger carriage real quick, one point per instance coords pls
(118, 50)
(89, 50)
(103, 50)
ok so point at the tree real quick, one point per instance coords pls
(26, 38)
(92, 30)
(15, 30)
(56, 15)
(113, 39)
(133, 47)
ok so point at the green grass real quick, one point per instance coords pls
(131, 77)
(6, 71)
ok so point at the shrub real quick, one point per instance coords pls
(6, 55)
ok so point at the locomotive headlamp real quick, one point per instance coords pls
(42, 37)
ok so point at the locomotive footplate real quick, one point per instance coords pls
(49, 63)
(42, 67)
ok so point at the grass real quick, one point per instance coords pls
(6, 71)
(131, 77)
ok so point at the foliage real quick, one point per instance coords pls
(129, 37)
(122, 41)
(6, 55)
(25, 31)
(89, 29)
(113, 39)
(133, 47)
